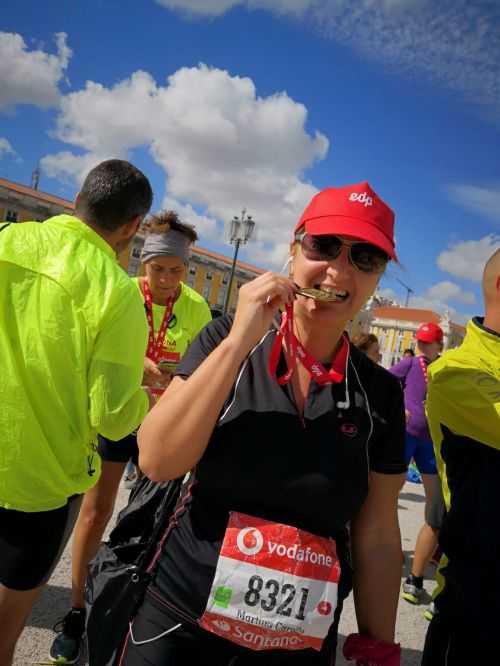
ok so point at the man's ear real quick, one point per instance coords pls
(130, 229)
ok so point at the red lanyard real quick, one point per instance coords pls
(423, 365)
(295, 349)
(155, 346)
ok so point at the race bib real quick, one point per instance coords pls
(275, 586)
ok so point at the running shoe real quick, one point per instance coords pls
(67, 644)
(411, 592)
(430, 612)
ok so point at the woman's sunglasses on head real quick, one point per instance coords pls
(363, 256)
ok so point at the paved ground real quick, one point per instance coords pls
(34, 643)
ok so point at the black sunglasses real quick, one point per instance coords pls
(363, 256)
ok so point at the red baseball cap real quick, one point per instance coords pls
(430, 333)
(353, 210)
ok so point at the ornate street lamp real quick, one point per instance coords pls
(240, 232)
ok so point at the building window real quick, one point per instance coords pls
(192, 270)
(208, 276)
(225, 278)
(11, 216)
(221, 295)
(206, 291)
(136, 252)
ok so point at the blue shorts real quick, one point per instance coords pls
(422, 452)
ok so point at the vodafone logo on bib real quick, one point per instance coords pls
(250, 541)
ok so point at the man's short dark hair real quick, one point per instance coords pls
(113, 194)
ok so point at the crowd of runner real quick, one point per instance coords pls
(291, 441)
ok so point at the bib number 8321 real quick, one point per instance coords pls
(266, 593)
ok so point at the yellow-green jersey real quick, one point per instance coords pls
(73, 337)
(190, 314)
(463, 410)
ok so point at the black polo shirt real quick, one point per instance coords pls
(264, 460)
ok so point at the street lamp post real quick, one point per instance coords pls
(240, 231)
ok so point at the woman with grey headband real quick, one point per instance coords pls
(176, 313)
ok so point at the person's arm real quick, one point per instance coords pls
(117, 404)
(377, 558)
(401, 369)
(376, 541)
(175, 434)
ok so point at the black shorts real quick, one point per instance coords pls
(452, 643)
(31, 544)
(121, 451)
(435, 509)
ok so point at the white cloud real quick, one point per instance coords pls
(219, 7)
(449, 291)
(440, 297)
(206, 227)
(425, 302)
(389, 293)
(70, 168)
(466, 259)
(482, 200)
(221, 146)
(455, 43)
(31, 77)
(6, 148)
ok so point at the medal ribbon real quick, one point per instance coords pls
(155, 346)
(295, 350)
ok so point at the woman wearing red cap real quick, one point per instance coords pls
(295, 443)
(418, 445)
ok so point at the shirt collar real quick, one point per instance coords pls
(484, 336)
(83, 230)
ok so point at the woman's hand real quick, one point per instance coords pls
(258, 303)
(153, 376)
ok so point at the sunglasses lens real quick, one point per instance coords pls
(368, 258)
(321, 248)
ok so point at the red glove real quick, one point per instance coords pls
(370, 652)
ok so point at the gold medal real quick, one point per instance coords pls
(317, 294)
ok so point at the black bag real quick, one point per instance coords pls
(118, 575)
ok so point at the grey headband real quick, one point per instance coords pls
(171, 243)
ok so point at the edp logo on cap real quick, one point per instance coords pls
(363, 198)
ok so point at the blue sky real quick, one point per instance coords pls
(259, 103)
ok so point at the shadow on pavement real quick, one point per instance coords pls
(51, 607)
(412, 497)
(409, 657)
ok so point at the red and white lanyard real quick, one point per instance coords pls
(155, 346)
(423, 365)
(294, 349)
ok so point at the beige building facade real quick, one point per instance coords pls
(208, 272)
(395, 328)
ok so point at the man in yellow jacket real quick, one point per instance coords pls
(72, 340)
(463, 410)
